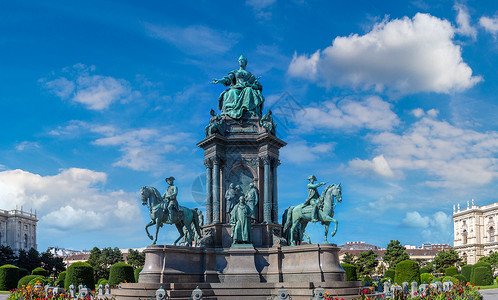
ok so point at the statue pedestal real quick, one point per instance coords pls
(241, 265)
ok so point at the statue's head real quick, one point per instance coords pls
(242, 199)
(238, 187)
(251, 185)
(312, 178)
(170, 180)
(242, 61)
(231, 186)
(212, 112)
(269, 111)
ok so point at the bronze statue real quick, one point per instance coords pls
(170, 198)
(241, 223)
(313, 196)
(251, 198)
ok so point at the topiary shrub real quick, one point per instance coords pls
(450, 271)
(467, 271)
(389, 274)
(426, 278)
(25, 280)
(9, 275)
(23, 272)
(448, 278)
(79, 273)
(460, 278)
(38, 279)
(367, 281)
(39, 271)
(481, 276)
(425, 269)
(137, 273)
(121, 272)
(407, 270)
(61, 278)
(102, 281)
(350, 272)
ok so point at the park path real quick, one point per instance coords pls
(487, 294)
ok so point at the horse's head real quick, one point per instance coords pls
(337, 192)
(144, 195)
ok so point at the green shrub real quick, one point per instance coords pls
(38, 278)
(9, 275)
(367, 281)
(450, 271)
(389, 274)
(425, 269)
(467, 271)
(407, 270)
(448, 278)
(460, 277)
(121, 272)
(137, 273)
(39, 271)
(426, 278)
(23, 272)
(79, 273)
(62, 275)
(102, 281)
(25, 280)
(482, 274)
(350, 272)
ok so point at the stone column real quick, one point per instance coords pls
(216, 190)
(275, 193)
(209, 191)
(267, 191)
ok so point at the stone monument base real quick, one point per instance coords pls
(242, 271)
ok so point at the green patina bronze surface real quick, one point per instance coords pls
(243, 95)
(241, 223)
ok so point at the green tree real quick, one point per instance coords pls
(445, 259)
(366, 263)
(135, 259)
(492, 259)
(7, 255)
(49, 262)
(349, 259)
(101, 261)
(394, 254)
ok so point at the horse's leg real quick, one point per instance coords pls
(292, 232)
(336, 224)
(146, 230)
(179, 227)
(327, 225)
(158, 225)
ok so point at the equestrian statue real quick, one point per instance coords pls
(316, 208)
(165, 209)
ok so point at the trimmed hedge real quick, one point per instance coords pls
(102, 281)
(137, 273)
(38, 278)
(9, 275)
(407, 270)
(61, 278)
(467, 271)
(39, 271)
(79, 273)
(23, 272)
(425, 269)
(450, 271)
(461, 278)
(448, 278)
(426, 277)
(25, 280)
(121, 272)
(350, 272)
(481, 276)
(389, 273)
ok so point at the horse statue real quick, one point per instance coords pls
(296, 218)
(186, 218)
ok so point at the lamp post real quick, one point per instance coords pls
(54, 269)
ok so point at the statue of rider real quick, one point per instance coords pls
(170, 198)
(313, 196)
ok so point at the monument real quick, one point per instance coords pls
(243, 251)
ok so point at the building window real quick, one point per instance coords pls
(464, 234)
(491, 234)
(464, 257)
(25, 241)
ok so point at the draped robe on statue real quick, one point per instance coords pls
(241, 217)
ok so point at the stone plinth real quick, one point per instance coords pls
(241, 265)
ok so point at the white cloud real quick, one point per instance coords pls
(302, 152)
(402, 56)
(377, 165)
(26, 145)
(437, 227)
(261, 7)
(449, 156)
(73, 200)
(95, 92)
(195, 39)
(418, 112)
(489, 24)
(463, 22)
(371, 113)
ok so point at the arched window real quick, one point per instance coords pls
(464, 234)
(25, 241)
(491, 234)
(464, 257)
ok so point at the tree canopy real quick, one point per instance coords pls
(445, 259)
(366, 263)
(395, 253)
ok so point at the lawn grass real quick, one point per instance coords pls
(4, 292)
(488, 287)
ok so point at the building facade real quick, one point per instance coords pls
(474, 229)
(18, 229)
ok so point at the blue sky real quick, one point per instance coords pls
(396, 100)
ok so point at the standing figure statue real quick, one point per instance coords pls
(230, 198)
(170, 199)
(252, 199)
(243, 95)
(241, 223)
(215, 124)
(313, 196)
(267, 123)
